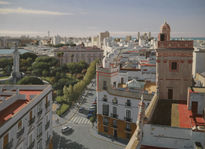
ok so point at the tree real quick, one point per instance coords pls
(30, 80)
(60, 56)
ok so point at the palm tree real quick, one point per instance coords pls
(60, 55)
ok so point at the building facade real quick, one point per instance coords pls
(117, 106)
(26, 117)
(78, 53)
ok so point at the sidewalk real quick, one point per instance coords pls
(93, 131)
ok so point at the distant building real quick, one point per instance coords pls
(25, 116)
(198, 61)
(102, 36)
(78, 53)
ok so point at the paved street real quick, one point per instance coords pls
(82, 135)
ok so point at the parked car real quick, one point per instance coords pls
(81, 109)
(66, 129)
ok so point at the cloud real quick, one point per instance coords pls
(31, 11)
(18, 33)
(4, 3)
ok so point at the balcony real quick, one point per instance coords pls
(39, 135)
(20, 132)
(105, 113)
(47, 104)
(40, 112)
(105, 123)
(104, 99)
(128, 104)
(113, 115)
(31, 121)
(128, 119)
(9, 144)
(31, 145)
(128, 129)
(114, 125)
(47, 125)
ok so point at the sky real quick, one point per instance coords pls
(89, 17)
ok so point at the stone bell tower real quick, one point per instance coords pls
(174, 65)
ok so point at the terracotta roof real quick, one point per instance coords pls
(17, 106)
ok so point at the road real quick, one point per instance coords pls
(82, 135)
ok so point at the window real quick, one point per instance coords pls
(30, 115)
(174, 66)
(162, 37)
(20, 124)
(105, 129)
(114, 123)
(39, 130)
(105, 109)
(39, 146)
(6, 140)
(114, 101)
(105, 120)
(30, 139)
(128, 114)
(128, 127)
(114, 110)
(104, 85)
(39, 108)
(128, 103)
(105, 98)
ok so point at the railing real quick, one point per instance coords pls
(106, 113)
(31, 121)
(105, 99)
(128, 129)
(20, 132)
(9, 144)
(114, 115)
(128, 104)
(128, 119)
(31, 145)
(40, 112)
(47, 125)
(105, 123)
(47, 104)
(114, 125)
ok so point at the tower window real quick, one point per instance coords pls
(174, 66)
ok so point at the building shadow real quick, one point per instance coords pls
(65, 143)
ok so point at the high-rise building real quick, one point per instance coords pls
(25, 117)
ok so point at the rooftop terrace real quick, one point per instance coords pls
(13, 101)
(175, 114)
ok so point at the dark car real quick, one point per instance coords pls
(81, 109)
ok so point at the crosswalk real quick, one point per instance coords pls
(80, 120)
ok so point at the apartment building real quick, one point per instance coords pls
(25, 117)
(117, 104)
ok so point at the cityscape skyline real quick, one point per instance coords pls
(88, 17)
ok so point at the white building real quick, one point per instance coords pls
(25, 116)
(198, 61)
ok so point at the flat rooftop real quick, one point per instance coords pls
(175, 114)
(19, 103)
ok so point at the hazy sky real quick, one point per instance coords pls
(88, 17)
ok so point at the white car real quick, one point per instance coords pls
(66, 129)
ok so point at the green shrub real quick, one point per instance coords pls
(62, 109)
